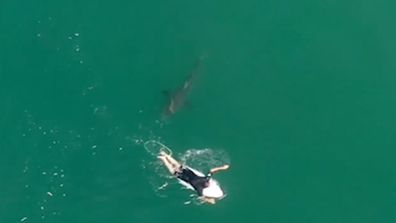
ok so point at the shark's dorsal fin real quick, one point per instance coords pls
(167, 93)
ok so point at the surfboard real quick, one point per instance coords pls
(213, 190)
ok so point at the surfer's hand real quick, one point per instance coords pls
(208, 200)
(226, 167)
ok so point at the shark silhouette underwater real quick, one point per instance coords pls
(177, 98)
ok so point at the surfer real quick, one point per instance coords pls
(207, 188)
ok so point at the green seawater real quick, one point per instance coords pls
(299, 95)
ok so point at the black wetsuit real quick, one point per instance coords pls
(197, 182)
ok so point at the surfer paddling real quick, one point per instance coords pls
(207, 188)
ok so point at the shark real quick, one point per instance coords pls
(177, 98)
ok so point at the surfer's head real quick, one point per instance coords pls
(213, 190)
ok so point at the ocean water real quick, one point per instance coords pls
(299, 97)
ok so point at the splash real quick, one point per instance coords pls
(204, 159)
(157, 175)
(154, 147)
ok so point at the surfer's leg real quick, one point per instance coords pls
(168, 165)
(175, 164)
(162, 153)
(172, 165)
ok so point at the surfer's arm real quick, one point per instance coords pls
(217, 169)
(208, 200)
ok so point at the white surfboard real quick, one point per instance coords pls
(213, 190)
